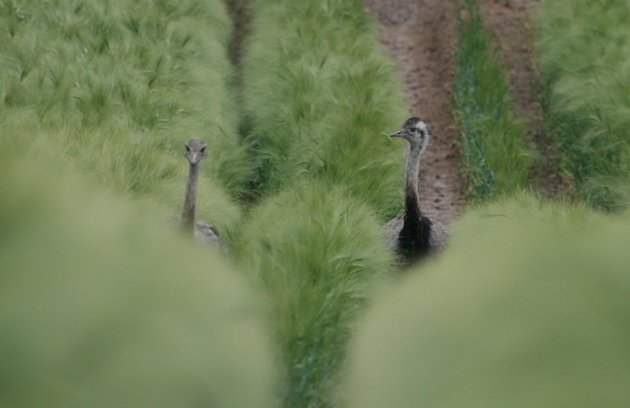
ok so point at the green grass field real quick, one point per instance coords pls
(320, 255)
(328, 174)
(584, 56)
(319, 100)
(496, 161)
(103, 304)
(119, 87)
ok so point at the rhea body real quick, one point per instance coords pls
(412, 234)
(195, 152)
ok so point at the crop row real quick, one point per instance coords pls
(584, 56)
(118, 87)
(582, 53)
(496, 161)
(319, 100)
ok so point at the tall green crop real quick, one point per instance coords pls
(120, 86)
(319, 100)
(495, 158)
(320, 97)
(319, 253)
(585, 57)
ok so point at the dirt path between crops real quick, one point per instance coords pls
(420, 36)
(511, 25)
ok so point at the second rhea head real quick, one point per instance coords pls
(195, 150)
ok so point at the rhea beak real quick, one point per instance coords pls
(400, 133)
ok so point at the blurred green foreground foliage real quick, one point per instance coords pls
(528, 308)
(102, 306)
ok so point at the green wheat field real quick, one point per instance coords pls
(104, 303)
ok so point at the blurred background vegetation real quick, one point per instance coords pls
(101, 305)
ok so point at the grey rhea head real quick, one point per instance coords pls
(195, 150)
(415, 131)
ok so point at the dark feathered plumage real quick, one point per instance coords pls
(412, 234)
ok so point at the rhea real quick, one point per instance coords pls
(412, 234)
(195, 152)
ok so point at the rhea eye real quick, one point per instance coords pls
(203, 150)
(187, 148)
(414, 130)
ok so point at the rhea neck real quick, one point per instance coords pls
(412, 175)
(188, 213)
